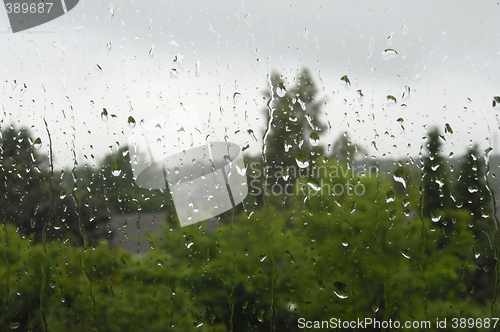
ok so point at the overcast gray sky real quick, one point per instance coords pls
(448, 53)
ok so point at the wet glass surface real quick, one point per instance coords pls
(265, 165)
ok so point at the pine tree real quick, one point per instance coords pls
(474, 196)
(293, 133)
(436, 187)
(472, 193)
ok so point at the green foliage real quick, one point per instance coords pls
(344, 241)
(114, 182)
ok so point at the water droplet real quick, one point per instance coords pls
(404, 30)
(160, 263)
(389, 54)
(389, 39)
(290, 256)
(131, 122)
(189, 244)
(301, 160)
(398, 177)
(447, 128)
(476, 253)
(198, 67)
(472, 189)
(436, 218)
(344, 242)
(179, 58)
(281, 90)
(314, 139)
(314, 185)
(152, 51)
(262, 258)
(391, 98)
(260, 317)
(104, 115)
(340, 290)
(37, 143)
(496, 100)
(390, 196)
(240, 168)
(250, 131)
(321, 285)
(346, 80)
(353, 207)
(405, 253)
(14, 326)
(116, 168)
(302, 104)
(302, 164)
(99, 69)
(236, 96)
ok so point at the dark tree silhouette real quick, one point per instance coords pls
(436, 195)
(294, 128)
(473, 195)
(38, 204)
(471, 190)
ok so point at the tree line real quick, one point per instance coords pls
(419, 244)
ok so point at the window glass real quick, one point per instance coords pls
(255, 165)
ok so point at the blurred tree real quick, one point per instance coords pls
(436, 194)
(336, 252)
(37, 203)
(471, 191)
(338, 255)
(473, 196)
(345, 151)
(292, 138)
(114, 183)
(23, 178)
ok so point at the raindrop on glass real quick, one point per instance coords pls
(131, 122)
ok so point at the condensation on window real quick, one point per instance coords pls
(248, 166)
